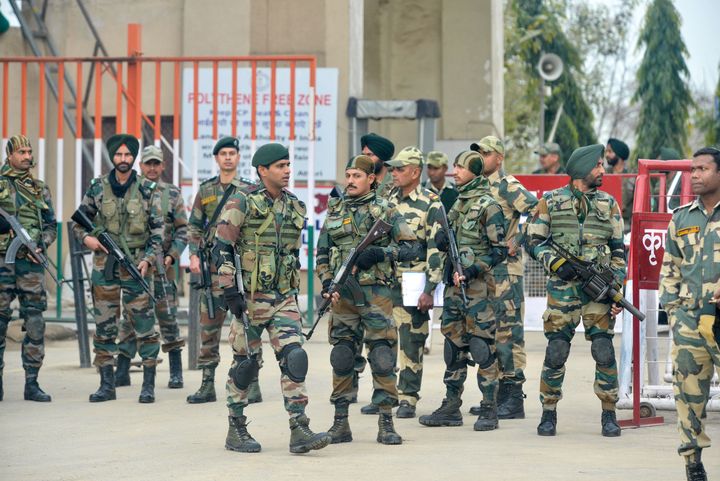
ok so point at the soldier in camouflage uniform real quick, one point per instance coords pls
(126, 207)
(437, 183)
(586, 222)
(469, 330)
(616, 155)
(201, 235)
(515, 201)
(368, 319)
(550, 159)
(29, 200)
(690, 292)
(262, 225)
(380, 150)
(174, 242)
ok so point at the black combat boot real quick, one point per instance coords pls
(206, 393)
(302, 439)
(386, 430)
(370, 409)
(238, 438)
(254, 394)
(448, 414)
(122, 371)
(694, 468)
(548, 423)
(147, 392)
(176, 377)
(487, 419)
(513, 406)
(502, 396)
(340, 430)
(610, 428)
(405, 410)
(106, 391)
(32, 389)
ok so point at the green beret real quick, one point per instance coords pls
(380, 146)
(269, 154)
(620, 148)
(472, 161)
(668, 153)
(226, 142)
(114, 143)
(583, 160)
(361, 162)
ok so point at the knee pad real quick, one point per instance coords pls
(556, 353)
(481, 352)
(381, 358)
(455, 357)
(244, 371)
(602, 350)
(294, 362)
(342, 358)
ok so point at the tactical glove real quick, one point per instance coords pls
(325, 287)
(471, 273)
(4, 225)
(369, 257)
(441, 241)
(234, 301)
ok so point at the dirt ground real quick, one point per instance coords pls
(72, 439)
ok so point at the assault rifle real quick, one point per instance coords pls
(115, 253)
(598, 281)
(22, 238)
(379, 230)
(205, 282)
(453, 254)
(160, 267)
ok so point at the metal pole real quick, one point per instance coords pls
(542, 111)
(76, 253)
(193, 331)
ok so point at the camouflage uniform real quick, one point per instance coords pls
(29, 200)
(628, 196)
(383, 189)
(200, 236)
(560, 171)
(174, 242)
(598, 239)
(421, 211)
(448, 194)
(135, 222)
(690, 275)
(265, 232)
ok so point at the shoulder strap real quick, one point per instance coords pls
(228, 192)
(165, 200)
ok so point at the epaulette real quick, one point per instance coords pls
(96, 180)
(333, 202)
(290, 194)
(209, 181)
(684, 206)
(433, 196)
(247, 181)
(252, 188)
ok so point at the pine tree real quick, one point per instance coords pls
(662, 88)
(713, 135)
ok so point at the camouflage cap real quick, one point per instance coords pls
(471, 160)
(16, 142)
(551, 148)
(437, 159)
(226, 142)
(489, 144)
(408, 156)
(152, 153)
(361, 162)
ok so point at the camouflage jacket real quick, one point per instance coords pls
(690, 271)
(515, 201)
(448, 194)
(348, 220)
(598, 239)
(209, 196)
(421, 210)
(561, 170)
(479, 226)
(31, 203)
(140, 208)
(265, 233)
(382, 190)
(176, 223)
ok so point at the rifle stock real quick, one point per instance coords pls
(22, 238)
(453, 253)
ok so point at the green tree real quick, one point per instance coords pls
(662, 87)
(713, 132)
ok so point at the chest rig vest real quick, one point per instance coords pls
(27, 204)
(587, 240)
(125, 219)
(268, 242)
(466, 218)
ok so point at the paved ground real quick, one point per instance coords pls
(71, 439)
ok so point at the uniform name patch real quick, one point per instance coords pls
(689, 230)
(207, 200)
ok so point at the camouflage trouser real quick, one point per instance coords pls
(169, 330)
(26, 280)
(210, 329)
(510, 333)
(695, 352)
(458, 325)
(566, 304)
(373, 324)
(136, 307)
(413, 328)
(281, 319)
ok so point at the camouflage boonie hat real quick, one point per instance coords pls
(361, 162)
(471, 160)
(489, 144)
(152, 153)
(407, 156)
(551, 148)
(16, 142)
(437, 159)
